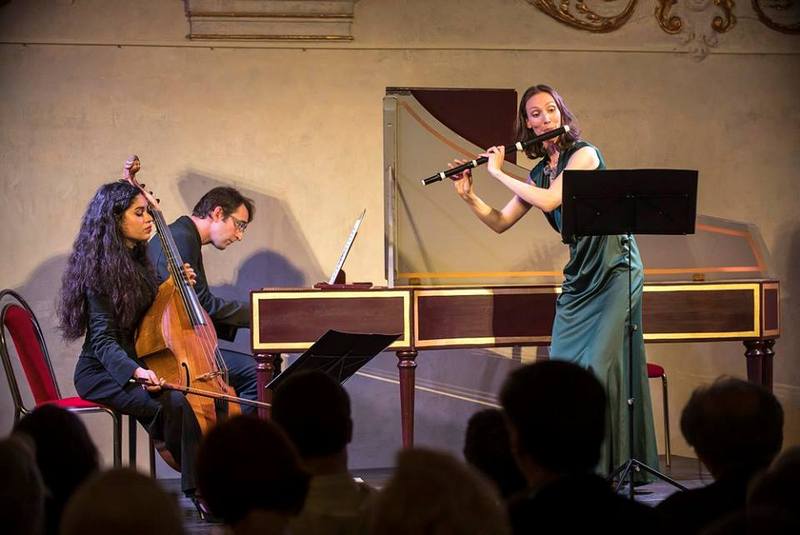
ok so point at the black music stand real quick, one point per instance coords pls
(337, 354)
(630, 201)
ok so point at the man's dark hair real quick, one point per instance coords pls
(65, 455)
(246, 464)
(314, 410)
(487, 447)
(557, 410)
(733, 425)
(229, 199)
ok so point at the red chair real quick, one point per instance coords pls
(654, 371)
(19, 320)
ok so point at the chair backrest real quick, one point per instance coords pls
(18, 319)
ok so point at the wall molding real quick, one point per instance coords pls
(270, 20)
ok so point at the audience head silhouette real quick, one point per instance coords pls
(556, 412)
(487, 447)
(65, 455)
(247, 465)
(733, 425)
(21, 487)
(432, 492)
(123, 502)
(314, 411)
(736, 429)
(556, 415)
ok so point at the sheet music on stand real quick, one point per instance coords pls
(332, 281)
(337, 354)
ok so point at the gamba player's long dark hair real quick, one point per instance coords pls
(102, 264)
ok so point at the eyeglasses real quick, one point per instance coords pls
(239, 224)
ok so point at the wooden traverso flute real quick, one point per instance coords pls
(519, 145)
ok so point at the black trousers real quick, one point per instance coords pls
(167, 415)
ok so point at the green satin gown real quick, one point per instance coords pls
(590, 329)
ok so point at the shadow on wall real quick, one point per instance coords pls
(786, 255)
(791, 240)
(273, 254)
(252, 274)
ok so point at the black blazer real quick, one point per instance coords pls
(108, 350)
(580, 504)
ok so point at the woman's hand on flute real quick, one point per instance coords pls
(462, 181)
(496, 156)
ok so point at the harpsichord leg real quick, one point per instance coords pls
(766, 369)
(265, 371)
(757, 366)
(406, 364)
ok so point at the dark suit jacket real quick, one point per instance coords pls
(692, 510)
(228, 316)
(579, 504)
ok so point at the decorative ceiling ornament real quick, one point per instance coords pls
(578, 14)
(780, 15)
(697, 23)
